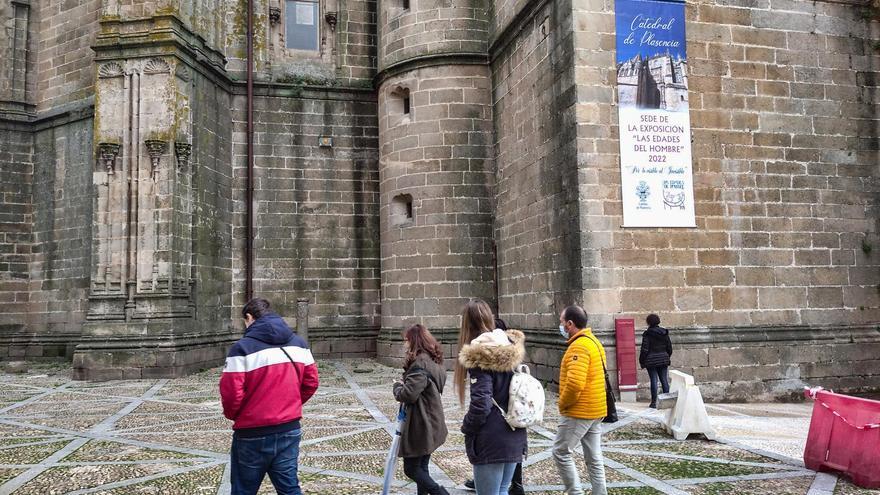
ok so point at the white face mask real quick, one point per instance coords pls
(563, 332)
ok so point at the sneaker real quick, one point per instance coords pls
(469, 484)
(652, 405)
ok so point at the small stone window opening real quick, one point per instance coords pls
(301, 24)
(402, 210)
(405, 4)
(399, 105)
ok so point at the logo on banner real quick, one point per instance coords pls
(643, 192)
(673, 194)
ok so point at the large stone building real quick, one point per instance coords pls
(410, 154)
(659, 81)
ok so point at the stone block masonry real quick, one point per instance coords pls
(357, 42)
(436, 167)
(65, 72)
(62, 228)
(16, 226)
(317, 205)
(783, 111)
(785, 153)
(435, 195)
(536, 199)
(16, 59)
(431, 27)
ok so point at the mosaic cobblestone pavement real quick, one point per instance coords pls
(169, 436)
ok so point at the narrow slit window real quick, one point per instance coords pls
(399, 105)
(405, 4)
(402, 210)
(301, 18)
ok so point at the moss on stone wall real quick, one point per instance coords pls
(305, 73)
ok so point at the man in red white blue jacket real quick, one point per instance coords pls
(269, 375)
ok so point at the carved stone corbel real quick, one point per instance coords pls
(274, 15)
(183, 152)
(332, 18)
(109, 152)
(156, 148)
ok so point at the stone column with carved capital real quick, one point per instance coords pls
(143, 248)
(144, 318)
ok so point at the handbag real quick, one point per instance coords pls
(611, 416)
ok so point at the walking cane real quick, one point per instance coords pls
(391, 460)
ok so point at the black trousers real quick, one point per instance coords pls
(517, 476)
(416, 469)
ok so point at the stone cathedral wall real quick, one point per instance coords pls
(428, 151)
(316, 174)
(16, 228)
(316, 210)
(777, 286)
(46, 88)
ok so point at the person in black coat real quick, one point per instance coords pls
(487, 359)
(655, 355)
(516, 484)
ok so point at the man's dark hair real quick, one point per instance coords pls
(256, 307)
(652, 320)
(576, 315)
(499, 323)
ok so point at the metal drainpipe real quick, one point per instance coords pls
(249, 196)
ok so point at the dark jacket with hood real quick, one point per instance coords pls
(656, 348)
(261, 389)
(424, 429)
(487, 436)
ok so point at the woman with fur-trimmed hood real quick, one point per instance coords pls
(488, 358)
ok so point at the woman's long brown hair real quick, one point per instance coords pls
(476, 318)
(420, 340)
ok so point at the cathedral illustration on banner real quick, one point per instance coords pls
(659, 81)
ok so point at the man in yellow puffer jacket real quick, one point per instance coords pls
(581, 403)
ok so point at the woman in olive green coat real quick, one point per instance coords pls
(424, 429)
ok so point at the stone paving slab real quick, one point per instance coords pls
(169, 436)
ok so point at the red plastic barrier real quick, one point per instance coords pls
(844, 436)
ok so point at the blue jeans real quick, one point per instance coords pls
(659, 373)
(493, 479)
(276, 454)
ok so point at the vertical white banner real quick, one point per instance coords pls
(656, 173)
